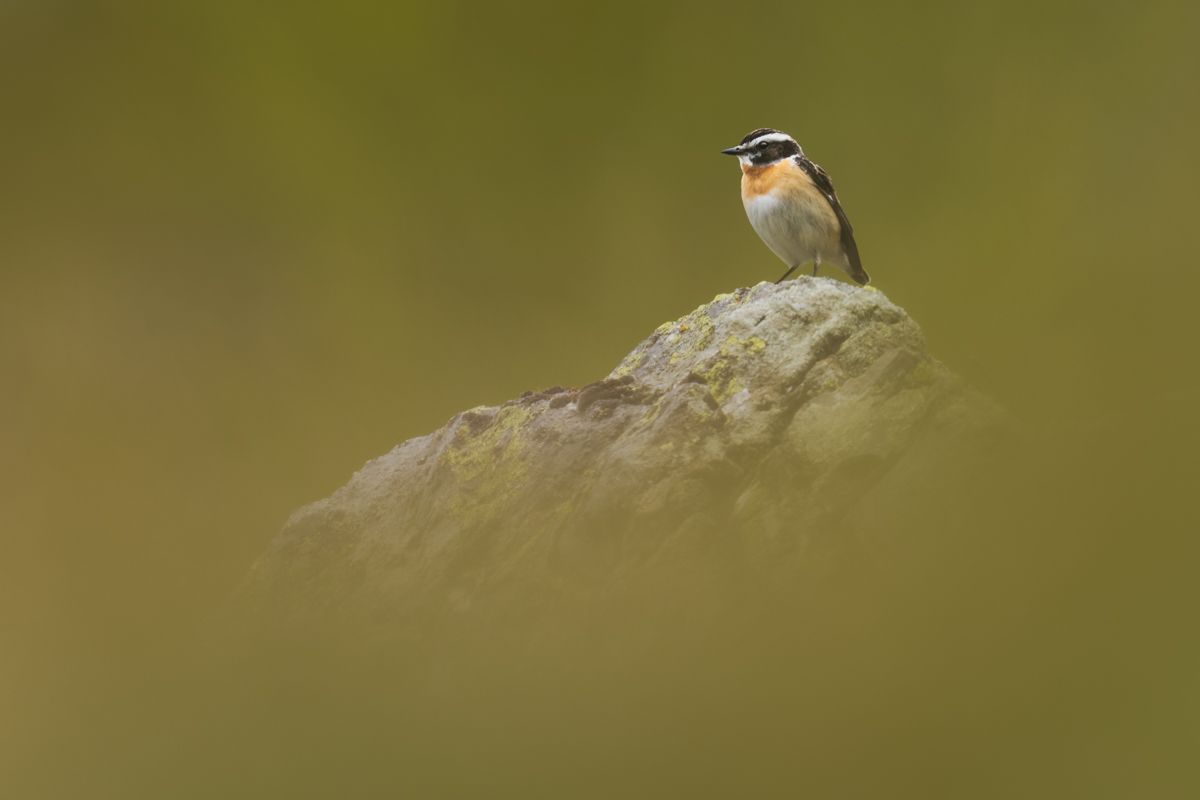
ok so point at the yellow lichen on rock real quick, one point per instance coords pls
(721, 381)
(471, 455)
(628, 364)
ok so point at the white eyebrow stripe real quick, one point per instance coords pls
(770, 137)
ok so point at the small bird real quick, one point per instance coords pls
(792, 205)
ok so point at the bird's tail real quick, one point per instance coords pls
(858, 273)
(854, 267)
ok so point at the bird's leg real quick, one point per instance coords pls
(816, 265)
(783, 277)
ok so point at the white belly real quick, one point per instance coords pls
(798, 231)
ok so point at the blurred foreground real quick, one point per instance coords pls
(779, 550)
(244, 251)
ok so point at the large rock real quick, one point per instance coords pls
(768, 432)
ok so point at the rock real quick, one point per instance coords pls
(767, 433)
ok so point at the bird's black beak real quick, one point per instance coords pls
(733, 151)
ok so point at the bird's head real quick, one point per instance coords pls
(764, 146)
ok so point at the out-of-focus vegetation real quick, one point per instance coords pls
(243, 249)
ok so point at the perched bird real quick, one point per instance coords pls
(792, 205)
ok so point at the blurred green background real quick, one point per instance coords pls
(244, 248)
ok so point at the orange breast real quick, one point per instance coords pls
(782, 176)
(761, 180)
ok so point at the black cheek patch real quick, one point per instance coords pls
(774, 151)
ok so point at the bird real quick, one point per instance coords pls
(792, 205)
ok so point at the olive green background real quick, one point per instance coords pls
(245, 248)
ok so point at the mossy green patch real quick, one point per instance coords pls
(628, 364)
(720, 376)
(493, 461)
(751, 344)
(492, 449)
(651, 414)
(694, 333)
(721, 381)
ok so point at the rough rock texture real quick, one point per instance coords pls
(773, 426)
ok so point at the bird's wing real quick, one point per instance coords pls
(824, 183)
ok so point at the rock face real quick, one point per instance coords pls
(773, 427)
